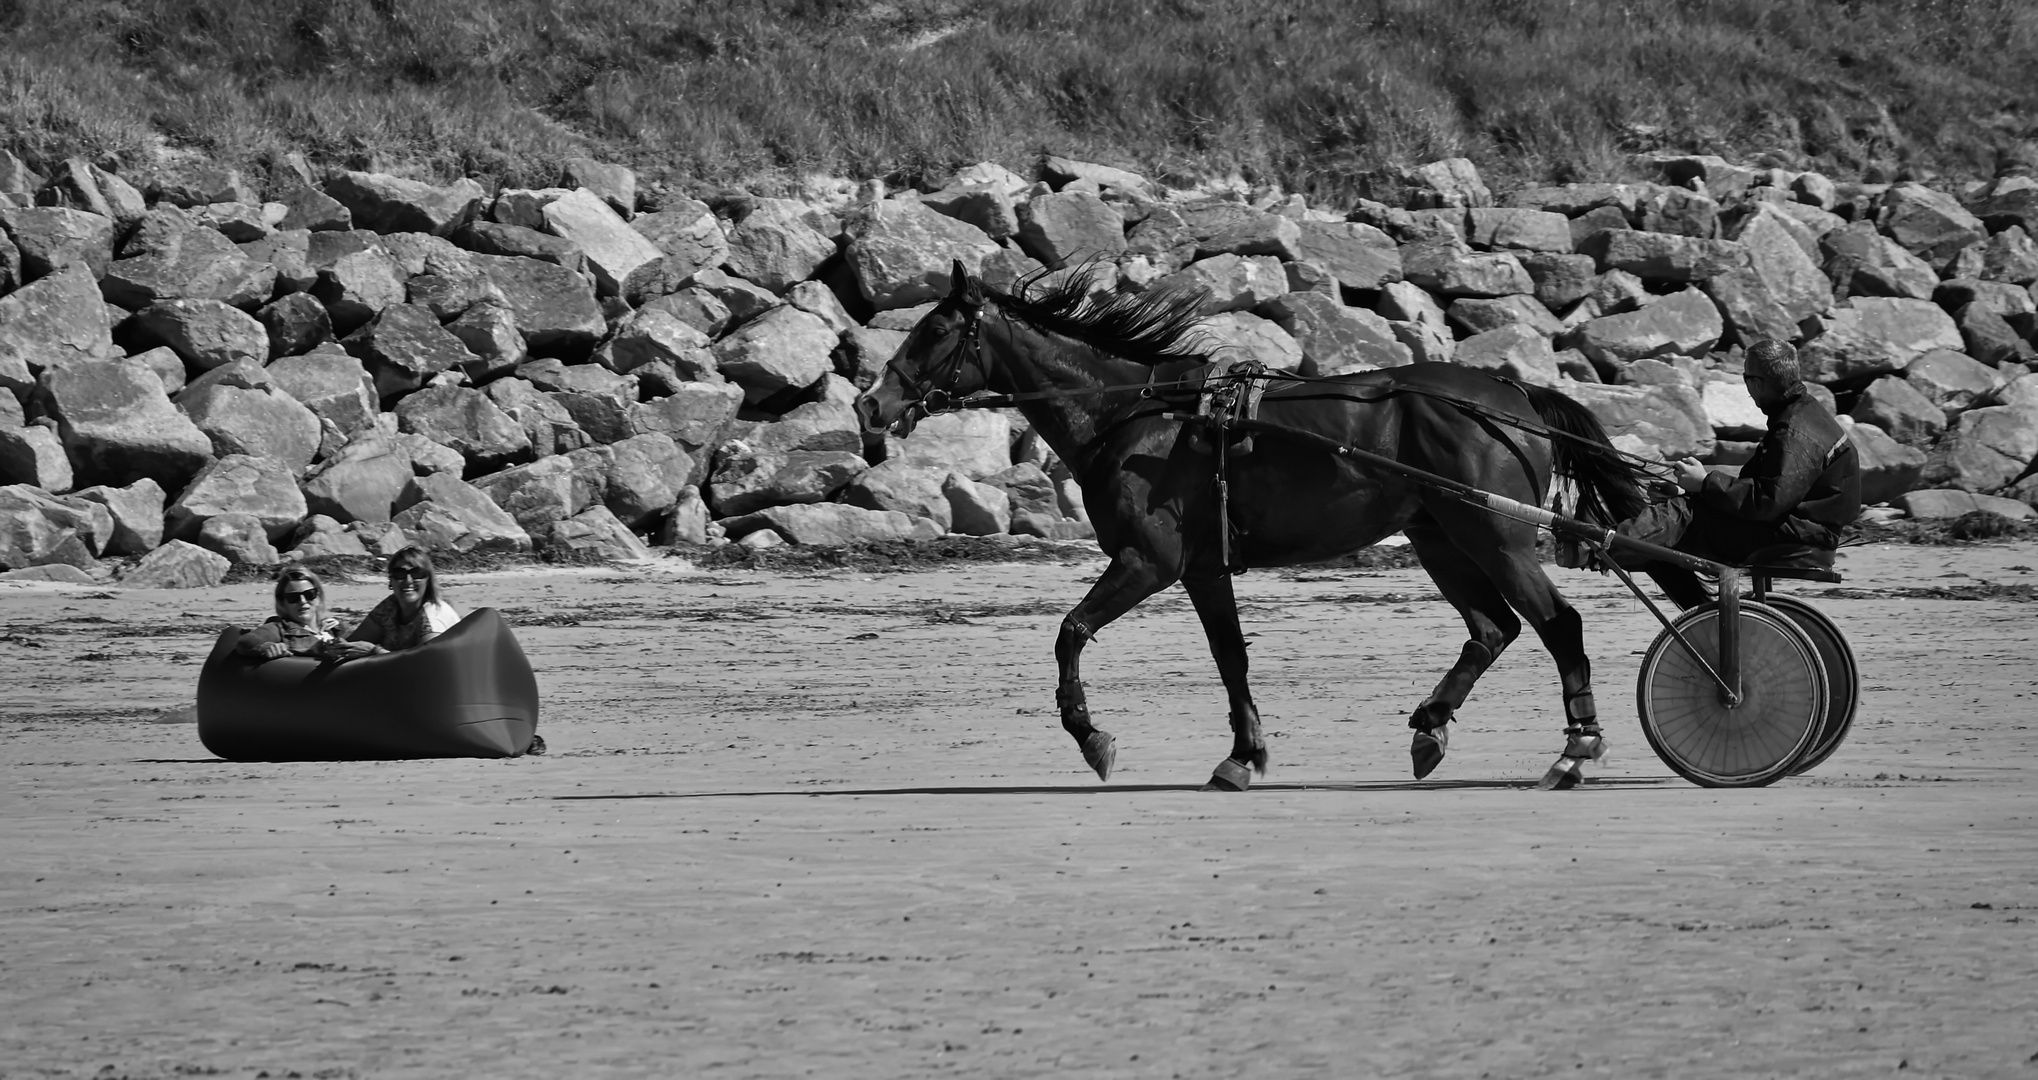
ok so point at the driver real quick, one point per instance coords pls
(1802, 487)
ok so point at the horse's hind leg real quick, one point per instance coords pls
(1490, 626)
(1218, 609)
(1130, 578)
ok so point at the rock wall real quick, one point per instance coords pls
(198, 373)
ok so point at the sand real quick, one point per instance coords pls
(828, 825)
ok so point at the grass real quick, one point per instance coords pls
(1320, 96)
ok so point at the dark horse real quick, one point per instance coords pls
(1098, 379)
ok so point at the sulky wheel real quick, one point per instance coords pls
(1843, 679)
(1783, 703)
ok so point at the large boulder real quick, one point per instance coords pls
(695, 414)
(403, 347)
(653, 335)
(40, 529)
(119, 426)
(177, 564)
(833, 525)
(975, 443)
(901, 252)
(392, 204)
(261, 421)
(55, 319)
(1516, 351)
(192, 263)
(237, 484)
(361, 482)
(1668, 419)
(50, 238)
(1517, 228)
(646, 474)
(598, 399)
(976, 509)
(744, 480)
(1894, 405)
(1860, 261)
(551, 488)
(785, 349)
(34, 455)
(137, 514)
(1952, 381)
(332, 384)
(465, 420)
(444, 513)
(1730, 409)
(1779, 287)
(239, 537)
(918, 490)
(1067, 227)
(548, 425)
(1871, 335)
(1447, 267)
(1946, 504)
(206, 333)
(555, 308)
(595, 532)
(1655, 256)
(1930, 224)
(1986, 449)
(689, 239)
(987, 206)
(296, 322)
(1888, 467)
(81, 185)
(1334, 337)
(613, 249)
(774, 246)
(357, 284)
(1685, 323)
(1359, 257)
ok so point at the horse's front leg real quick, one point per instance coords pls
(1130, 578)
(1218, 609)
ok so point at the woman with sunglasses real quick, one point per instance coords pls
(300, 626)
(409, 616)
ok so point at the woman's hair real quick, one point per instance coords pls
(297, 573)
(414, 556)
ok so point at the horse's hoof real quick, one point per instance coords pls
(1567, 773)
(1100, 749)
(1585, 747)
(1427, 750)
(1230, 776)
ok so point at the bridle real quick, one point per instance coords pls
(936, 390)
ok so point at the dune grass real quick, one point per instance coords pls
(1319, 96)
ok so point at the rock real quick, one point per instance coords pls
(1988, 337)
(205, 333)
(168, 366)
(58, 572)
(1986, 449)
(177, 565)
(1779, 287)
(362, 482)
(2010, 256)
(262, 422)
(816, 425)
(118, 425)
(237, 484)
(51, 321)
(773, 245)
(783, 350)
(551, 488)
(1236, 335)
(1665, 257)
(16, 177)
(489, 331)
(1448, 268)
(916, 490)
(196, 263)
(2017, 306)
(596, 532)
(688, 522)
(1730, 410)
(452, 294)
(197, 184)
(1893, 405)
(1035, 504)
(1476, 315)
(900, 252)
(516, 241)
(598, 399)
(524, 207)
(1254, 233)
(1231, 282)
(239, 537)
(834, 525)
(1516, 228)
(467, 421)
(1334, 337)
(444, 513)
(40, 529)
(296, 323)
(390, 204)
(1516, 351)
(689, 239)
(1888, 468)
(1677, 211)
(50, 238)
(550, 428)
(82, 186)
(1560, 279)
(1930, 224)
(616, 184)
(646, 473)
(332, 384)
(306, 207)
(358, 285)
(695, 415)
(976, 509)
(1945, 504)
(319, 536)
(1685, 323)
(555, 308)
(403, 347)
(744, 480)
(289, 254)
(654, 335)
(1868, 336)
(1448, 182)
(1860, 261)
(1668, 419)
(136, 512)
(1950, 380)
(613, 249)
(988, 207)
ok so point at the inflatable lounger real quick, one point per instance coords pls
(467, 693)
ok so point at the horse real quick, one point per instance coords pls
(1106, 381)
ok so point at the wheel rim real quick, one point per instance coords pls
(1784, 700)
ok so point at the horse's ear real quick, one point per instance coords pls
(962, 288)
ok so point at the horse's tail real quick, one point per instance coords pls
(1609, 485)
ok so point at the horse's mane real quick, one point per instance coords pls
(1149, 327)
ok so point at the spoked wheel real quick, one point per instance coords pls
(1843, 678)
(1753, 743)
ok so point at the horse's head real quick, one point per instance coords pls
(941, 359)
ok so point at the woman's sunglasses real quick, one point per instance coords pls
(301, 596)
(413, 573)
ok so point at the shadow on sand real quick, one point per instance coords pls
(1624, 783)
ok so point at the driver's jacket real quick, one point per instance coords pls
(1805, 477)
